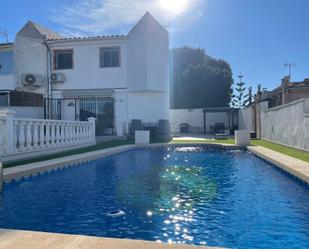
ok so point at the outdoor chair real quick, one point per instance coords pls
(220, 131)
(136, 124)
(219, 128)
(184, 127)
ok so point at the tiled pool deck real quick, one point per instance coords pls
(16, 239)
(293, 166)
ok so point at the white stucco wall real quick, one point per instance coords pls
(245, 119)
(287, 124)
(86, 72)
(30, 57)
(147, 56)
(147, 71)
(7, 82)
(148, 106)
(195, 119)
(27, 112)
(121, 112)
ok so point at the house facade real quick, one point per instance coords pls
(286, 93)
(115, 79)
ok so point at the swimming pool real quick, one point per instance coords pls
(193, 195)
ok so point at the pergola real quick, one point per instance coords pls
(230, 111)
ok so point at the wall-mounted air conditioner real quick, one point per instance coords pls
(32, 79)
(57, 77)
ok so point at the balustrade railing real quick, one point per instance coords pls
(19, 135)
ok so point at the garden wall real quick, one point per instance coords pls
(287, 124)
(195, 119)
(245, 119)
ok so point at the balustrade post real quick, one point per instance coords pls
(92, 129)
(16, 136)
(41, 135)
(77, 133)
(47, 135)
(35, 136)
(22, 138)
(70, 133)
(62, 133)
(82, 133)
(8, 131)
(52, 135)
(58, 138)
(66, 134)
(87, 132)
(28, 136)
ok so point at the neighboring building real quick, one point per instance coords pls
(113, 78)
(287, 92)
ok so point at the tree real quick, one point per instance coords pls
(198, 80)
(240, 99)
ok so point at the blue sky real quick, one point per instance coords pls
(255, 36)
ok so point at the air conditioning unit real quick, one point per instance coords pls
(57, 77)
(32, 79)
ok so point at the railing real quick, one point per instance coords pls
(20, 135)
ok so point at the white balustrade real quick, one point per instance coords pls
(19, 135)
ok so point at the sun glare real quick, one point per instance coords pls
(174, 6)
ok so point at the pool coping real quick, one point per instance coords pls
(291, 165)
(21, 239)
(33, 169)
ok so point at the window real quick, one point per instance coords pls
(110, 57)
(63, 59)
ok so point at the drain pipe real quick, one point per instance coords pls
(1, 176)
(49, 89)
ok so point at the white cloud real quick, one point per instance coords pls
(94, 17)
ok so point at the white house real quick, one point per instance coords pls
(113, 78)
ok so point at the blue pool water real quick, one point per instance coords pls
(187, 195)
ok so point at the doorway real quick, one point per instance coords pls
(100, 108)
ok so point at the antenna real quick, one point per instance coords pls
(290, 65)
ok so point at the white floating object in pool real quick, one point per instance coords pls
(149, 213)
(116, 213)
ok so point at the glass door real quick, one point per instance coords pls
(103, 110)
